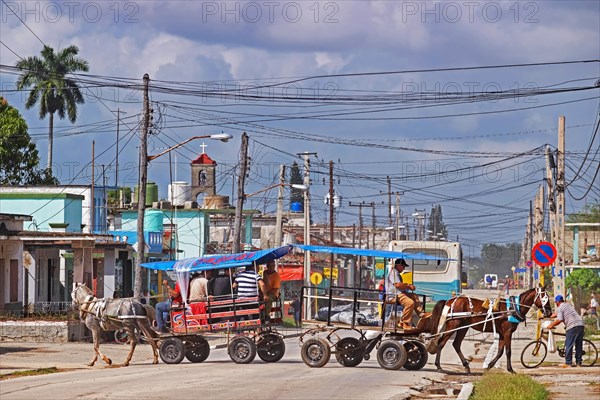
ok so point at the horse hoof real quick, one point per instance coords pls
(90, 364)
(109, 361)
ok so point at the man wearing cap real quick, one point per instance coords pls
(398, 293)
(566, 313)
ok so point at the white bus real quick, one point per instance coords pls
(438, 279)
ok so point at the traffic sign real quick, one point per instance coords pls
(316, 278)
(330, 273)
(544, 254)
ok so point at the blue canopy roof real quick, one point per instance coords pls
(369, 252)
(218, 261)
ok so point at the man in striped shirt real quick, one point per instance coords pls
(247, 283)
(566, 313)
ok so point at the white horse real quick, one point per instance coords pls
(112, 314)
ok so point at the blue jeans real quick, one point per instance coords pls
(390, 308)
(574, 338)
(162, 313)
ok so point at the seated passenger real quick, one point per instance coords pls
(199, 287)
(272, 281)
(162, 308)
(247, 283)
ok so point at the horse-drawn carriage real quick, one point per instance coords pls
(249, 330)
(351, 322)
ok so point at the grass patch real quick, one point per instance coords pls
(504, 386)
(30, 372)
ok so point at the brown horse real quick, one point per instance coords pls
(465, 312)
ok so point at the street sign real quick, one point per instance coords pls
(535, 274)
(529, 263)
(520, 270)
(330, 273)
(316, 278)
(544, 254)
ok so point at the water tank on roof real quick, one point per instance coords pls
(153, 221)
(296, 207)
(151, 193)
(179, 193)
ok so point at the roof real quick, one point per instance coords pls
(17, 217)
(204, 159)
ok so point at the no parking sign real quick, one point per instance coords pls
(544, 254)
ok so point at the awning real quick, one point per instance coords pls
(216, 261)
(369, 252)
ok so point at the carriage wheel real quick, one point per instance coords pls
(534, 354)
(197, 349)
(172, 350)
(121, 336)
(416, 355)
(242, 350)
(391, 354)
(315, 353)
(590, 354)
(270, 348)
(350, 352)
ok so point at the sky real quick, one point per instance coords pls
(378, 87)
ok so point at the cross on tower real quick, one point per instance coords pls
(203, 146)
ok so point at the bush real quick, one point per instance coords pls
(503, 386)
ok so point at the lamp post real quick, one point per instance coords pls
(144, 160)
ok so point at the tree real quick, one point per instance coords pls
(436, 223)
(19, 157)
(590, 213)
(50, 86)
(296, 195)
(582, 282)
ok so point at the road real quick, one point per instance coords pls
(218, 377)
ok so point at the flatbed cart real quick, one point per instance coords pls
(241, 320)
(352, 342)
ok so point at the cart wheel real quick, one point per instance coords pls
(391, 354)
(350, 352)
(416, 355)
(121, 336)
(172, 350)
(197, 350)
(242, 350)
(315, 353)
(534, 354)
(270, 348)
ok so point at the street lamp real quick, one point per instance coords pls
(144, 160)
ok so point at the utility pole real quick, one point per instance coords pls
(538, 228)
(103, 225)
(373, 229)
(559, 270)
(141, 244)
(278, 227)
(398, 215)
(92, 204)
(117, 147)
(389, 185)
(331, 213)
(305, 156)
(358, 264)
(237, 229)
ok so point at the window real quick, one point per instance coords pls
(429, 265)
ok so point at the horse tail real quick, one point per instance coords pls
(436, 314)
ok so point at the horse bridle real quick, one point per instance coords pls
(543, 295)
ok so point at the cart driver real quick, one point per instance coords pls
(398, 294)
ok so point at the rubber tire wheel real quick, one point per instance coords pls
(590, 352)
(172, 350)
(197, 350)
(270, 348)
(242, 350)
(352, 352)
(391, 354)
(416, 355)
(121, 336)
(315, 353)
(528, 350)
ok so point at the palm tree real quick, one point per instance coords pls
(50, 86)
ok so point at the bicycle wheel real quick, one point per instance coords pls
(590, 354)
(121, 336)
(534, 354)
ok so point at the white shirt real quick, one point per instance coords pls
(393, 278)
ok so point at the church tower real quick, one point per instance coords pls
(203, 175)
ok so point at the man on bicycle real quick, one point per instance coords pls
(566, 313)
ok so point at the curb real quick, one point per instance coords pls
(466, 391)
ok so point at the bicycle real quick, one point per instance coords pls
(536, 351)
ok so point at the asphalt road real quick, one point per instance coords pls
(217, 377)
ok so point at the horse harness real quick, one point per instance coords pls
(97, 308)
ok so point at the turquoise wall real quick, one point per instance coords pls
(45, 209)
